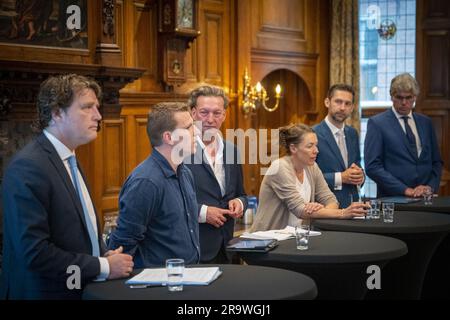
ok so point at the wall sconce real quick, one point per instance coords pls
(255, 97)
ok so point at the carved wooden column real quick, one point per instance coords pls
(107, 51)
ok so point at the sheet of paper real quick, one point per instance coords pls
(191, 276)
(279, 234)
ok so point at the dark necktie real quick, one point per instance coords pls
(410, 136)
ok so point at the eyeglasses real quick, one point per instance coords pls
(216, 114)
(401, 98)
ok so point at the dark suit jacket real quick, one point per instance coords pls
(208, 193)
(390, 162)
(330, 159)
(44, 227)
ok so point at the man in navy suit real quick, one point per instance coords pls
(52, 240)
(401, 151)
(217, 174)
(339, 156)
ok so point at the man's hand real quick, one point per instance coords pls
(312, 207)
(120, 265)
(353, 175)
(216, 216)
(236, 208)
(418, 191)
(112, 252)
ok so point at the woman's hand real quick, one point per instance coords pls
(312, 207)
(356, 209)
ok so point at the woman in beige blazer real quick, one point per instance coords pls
(295, 185)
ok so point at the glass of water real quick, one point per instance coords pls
(302, 235)
(428, 196)
(375, 209)
(388, 212)
(175, 270)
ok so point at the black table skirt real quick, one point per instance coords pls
(421, 231)
(237, 282)
(337, 261)
(440, 205)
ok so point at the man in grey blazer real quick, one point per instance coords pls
(339, 155)
(217, 173)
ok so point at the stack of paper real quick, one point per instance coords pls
(280, 234)
(191, 276)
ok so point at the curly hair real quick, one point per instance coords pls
(58, 93)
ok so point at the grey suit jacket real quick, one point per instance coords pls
(278, 196)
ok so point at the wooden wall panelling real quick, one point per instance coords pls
(433, 73)
(145, 43)
(107, 51)
(281, 24)
(283, 35)
(436, 85)
(119, 27)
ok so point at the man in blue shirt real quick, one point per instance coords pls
(158, 208)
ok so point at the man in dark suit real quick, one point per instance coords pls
(401, 151)
(339, 156)
(52, 240)
(217, 174)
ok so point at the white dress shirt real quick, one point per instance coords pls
(218, 169)
(413, 126)
(64, 153)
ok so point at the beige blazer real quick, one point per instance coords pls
(279, 195)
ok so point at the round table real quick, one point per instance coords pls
(237, 282)
(434, 287)
(440, 205)
(421, 231)
(337, 261)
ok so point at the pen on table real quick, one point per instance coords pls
(143, 286)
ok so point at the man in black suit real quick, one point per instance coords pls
(52, 239)
(217, 173)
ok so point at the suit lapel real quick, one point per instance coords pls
(350, 150)
(226, 166)
(420, 131)
(331, 141)
(64, 175)
(400, 133)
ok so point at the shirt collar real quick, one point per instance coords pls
(219, 143)
(332, 127)
(399, 116)
(164, 164)
(63, 152)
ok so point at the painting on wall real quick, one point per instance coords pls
(52, 23)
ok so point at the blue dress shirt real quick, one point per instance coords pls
(158, 214)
